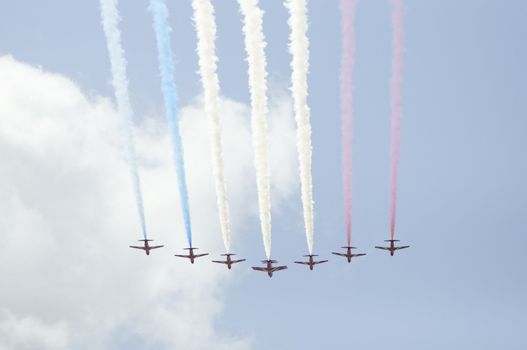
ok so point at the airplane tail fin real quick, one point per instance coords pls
(145, 240)
(227, 254)
(349, 247)
(191, 248)
(271, 261)
(392, 240)
(307, 256)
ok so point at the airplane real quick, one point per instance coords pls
(146, 246)
(392, 248)
(348, 254)
(311, 261)
(270, 268)
(228, 260)
(191, 254)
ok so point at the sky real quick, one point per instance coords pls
(68, 212)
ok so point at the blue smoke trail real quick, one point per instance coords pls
(110, 22)
(168, 86)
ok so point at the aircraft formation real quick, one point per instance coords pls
(269, 267)
(252, 26)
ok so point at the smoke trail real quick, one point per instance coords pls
(206, 30)
(347, 8)
(110, 22)
(299, 48)
(254, 46)
(168, 86)
(397, 75)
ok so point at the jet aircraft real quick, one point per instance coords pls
(228, 261)
(191, 254)
(146, 247)
(311, 261)
(392, 248)
(269, 267)
(348, 255)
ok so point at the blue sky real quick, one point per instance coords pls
(462, 199)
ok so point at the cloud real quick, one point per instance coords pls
(67, 216)
(28, 334)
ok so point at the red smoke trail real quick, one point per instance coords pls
(347, 9)
(397, 75)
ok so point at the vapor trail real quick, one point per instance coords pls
(395, 87)
(110, 22)
(168, 86)
(254, 47)
(347, 8)
(299, 48)
(205, 22)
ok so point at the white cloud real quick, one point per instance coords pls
(29, 333)
(67, 215)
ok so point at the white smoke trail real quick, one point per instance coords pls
(254, 46)
(110, 22)
(206, 30)
(299, 49)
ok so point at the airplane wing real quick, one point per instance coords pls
(320, 262)
(182, 256)
(137, 247)
(385, 248)
(341, 254)
(237, 261)
(199, 255)
(220, 261)
(301, 262)
(403, 247)
(259, 269)
(360, 254)
(157, 246)
(279, 268)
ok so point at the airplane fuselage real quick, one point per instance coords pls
(270, 269)
(348, 253)
(311, 263)
(191, 255)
